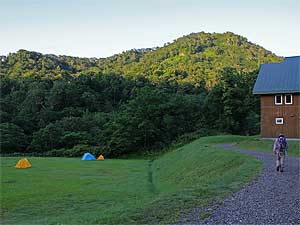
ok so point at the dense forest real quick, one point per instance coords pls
(139, 100)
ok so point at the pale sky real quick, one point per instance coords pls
(98, 28)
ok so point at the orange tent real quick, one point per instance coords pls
(101, 157)
(23, 164)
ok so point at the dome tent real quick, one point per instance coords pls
(101, 157)
(23, 164)
(88, 156)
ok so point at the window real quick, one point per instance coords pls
(279, 120)
(288, 99)
(278, 99)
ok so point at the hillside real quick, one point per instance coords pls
(190, 59)
(136, 101)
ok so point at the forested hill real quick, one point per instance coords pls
(195, 58)
(136, 101)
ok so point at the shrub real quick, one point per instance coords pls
(76, 151)
(12, 138)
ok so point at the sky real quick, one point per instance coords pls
(101, 28)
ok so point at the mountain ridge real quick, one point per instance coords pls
(193, 58)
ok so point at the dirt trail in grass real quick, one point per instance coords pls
(272, 198)
(152, 187)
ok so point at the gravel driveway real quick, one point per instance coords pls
(272, 198)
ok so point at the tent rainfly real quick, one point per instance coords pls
(101, 157)
(23, 164)
(88, 156)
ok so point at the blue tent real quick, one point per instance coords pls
(88, 156)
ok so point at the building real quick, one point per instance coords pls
(278, 85)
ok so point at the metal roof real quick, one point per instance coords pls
(283, 77)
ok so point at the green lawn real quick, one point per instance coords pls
(119, 191)
(256, 144)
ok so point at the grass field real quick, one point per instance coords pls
(119, 191)
(256, 144)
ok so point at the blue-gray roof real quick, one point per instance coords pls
(283, 77)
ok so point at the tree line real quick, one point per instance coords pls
(139, 100)
(115, 115)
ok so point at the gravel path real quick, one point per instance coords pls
(272, 198)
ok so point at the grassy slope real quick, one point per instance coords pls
(59, 190)
(198, 173)
(256, 144)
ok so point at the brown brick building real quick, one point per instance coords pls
(278, 84)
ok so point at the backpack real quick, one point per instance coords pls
(282, 145)
(281, 148)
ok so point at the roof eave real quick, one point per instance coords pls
(274, 92)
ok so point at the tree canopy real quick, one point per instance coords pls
(139, 100)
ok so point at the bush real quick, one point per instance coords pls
(12, 138)
(47, 138)
(76, 151)
(252, 124)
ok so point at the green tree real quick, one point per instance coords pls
(12, 138)
(47, 138)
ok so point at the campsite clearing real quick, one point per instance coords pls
(72, 191)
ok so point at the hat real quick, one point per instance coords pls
(281, 135)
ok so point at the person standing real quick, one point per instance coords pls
(280, 150)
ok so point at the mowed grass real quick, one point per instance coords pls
(255, 143)
(114, 191)
(71, 191)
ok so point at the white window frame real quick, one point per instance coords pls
(276, 103)
(277, 120)
(290, 103)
